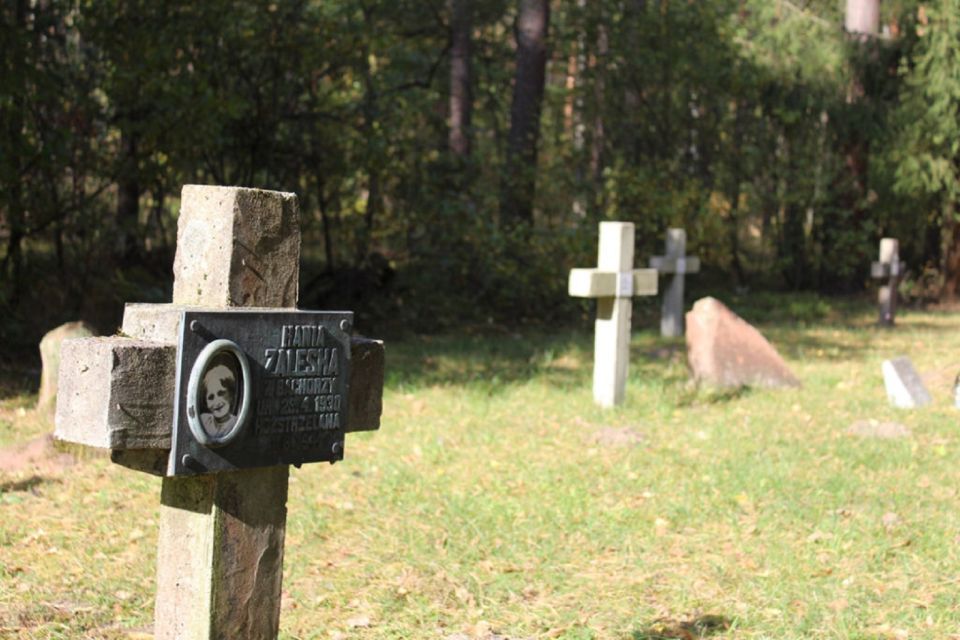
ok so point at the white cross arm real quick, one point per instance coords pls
(668, 264)
(594, 283)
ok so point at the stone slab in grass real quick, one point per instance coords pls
(723, 350)
(905, 389)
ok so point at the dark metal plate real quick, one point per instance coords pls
(299, 368)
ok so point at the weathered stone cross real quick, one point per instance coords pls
(268, 386)
(671, 314)
(614, 282)
(890, 267)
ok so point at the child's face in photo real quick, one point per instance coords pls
(219, 398)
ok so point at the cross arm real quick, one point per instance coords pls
(669, 264)
(117, 393)
(594, 283)
(887, 269)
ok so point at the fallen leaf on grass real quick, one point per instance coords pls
(900, 545)
(839, 604)
(618, 437)
(818, 535)
(660, 526)
(876, 429)
(358, 622)
(693, 629)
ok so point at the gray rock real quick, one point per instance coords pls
(723, 350)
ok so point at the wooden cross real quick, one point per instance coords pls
(614, 282)
(889, 267)
(220, 555)
(674, 261)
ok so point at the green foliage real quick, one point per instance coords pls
(783, 146)
(929, 145)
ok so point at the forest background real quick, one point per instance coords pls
(452, 158)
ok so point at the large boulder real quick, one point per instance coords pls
(50, 356)
(723, 350)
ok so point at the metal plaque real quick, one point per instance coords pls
(259, 388)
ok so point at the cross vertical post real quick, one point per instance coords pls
(674, 261)
(613, 283)
(220, 549)
(890, 268)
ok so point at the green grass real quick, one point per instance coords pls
(486, 504)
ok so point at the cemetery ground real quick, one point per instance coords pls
(497, 501)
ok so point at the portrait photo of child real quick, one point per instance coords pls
(219, 397)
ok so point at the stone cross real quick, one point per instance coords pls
(221, 542)
(674, 261)
(614, 282)
(889, 267)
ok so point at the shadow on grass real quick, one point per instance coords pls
(703, 395)
(19, 486)
(488, 359)
(693, 629)
(801, 326)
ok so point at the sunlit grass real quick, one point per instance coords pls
(487, 503)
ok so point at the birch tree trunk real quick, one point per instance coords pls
(519, 179)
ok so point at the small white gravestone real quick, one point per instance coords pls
(674, 261)
(612, 283)
(905, 389)
(889, 267)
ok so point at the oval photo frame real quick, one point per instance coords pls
(196, 387)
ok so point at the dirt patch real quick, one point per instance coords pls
(876, 429)
(39, 455)
(618, 437)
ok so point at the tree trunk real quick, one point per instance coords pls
(519, 179)
(128, 199)
(599, 95)
(951, 255)
(371, 111)
(12, 116)
(733, 193)
(862, 17)
(861, 23)
(461, 95)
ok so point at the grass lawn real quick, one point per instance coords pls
(497, 500)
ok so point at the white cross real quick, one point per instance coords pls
(889, 267)
(613, 283)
